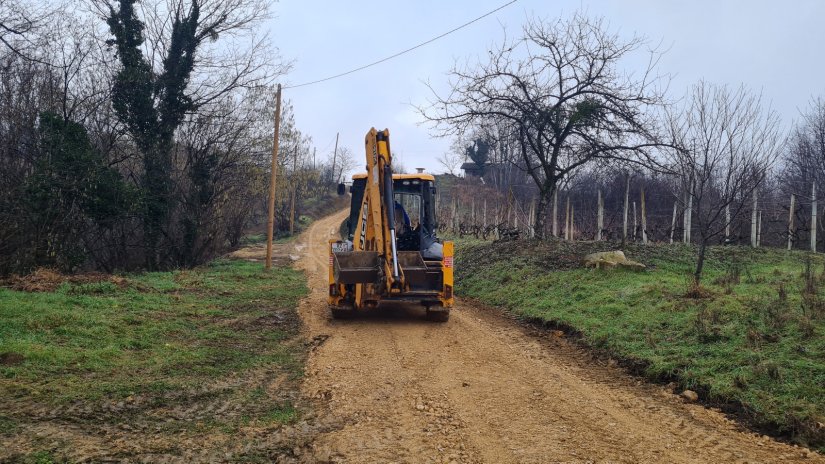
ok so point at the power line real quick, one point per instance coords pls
(403, 51)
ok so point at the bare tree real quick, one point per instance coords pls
(345, 163)
(559, 93)
(21, 27)
(805, 156)
(727, 141)
(451, 161)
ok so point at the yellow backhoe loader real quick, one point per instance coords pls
(391, 252)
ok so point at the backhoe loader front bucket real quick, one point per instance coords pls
(415, 270)
(356, 267)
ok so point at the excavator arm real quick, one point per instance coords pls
(376, 228)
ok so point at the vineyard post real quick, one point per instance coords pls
(555, 213)
(790, 221)
(673, 220)
(689, 217)
(599, 216)
(626, 206)
(644, 218)
(759, 228)
(572, 219)
(727, 223)
(532, 219)
(754, 214)
(813, 217)
(453, 217)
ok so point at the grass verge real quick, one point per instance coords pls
(208, 351)
(754, 343)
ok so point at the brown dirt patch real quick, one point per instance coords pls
(47, 280)
(11, 358)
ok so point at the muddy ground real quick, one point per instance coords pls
(483, 388)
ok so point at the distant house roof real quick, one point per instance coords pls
(471, 168)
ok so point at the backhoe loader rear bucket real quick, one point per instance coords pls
(356, 267)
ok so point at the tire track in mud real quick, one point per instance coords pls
(482, 388)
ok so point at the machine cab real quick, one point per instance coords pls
(414, 213)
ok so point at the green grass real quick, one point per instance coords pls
(160, 332)
(747, 344)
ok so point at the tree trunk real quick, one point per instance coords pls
(567, 220)
(555, 213)
(700, 262)
(540, 213)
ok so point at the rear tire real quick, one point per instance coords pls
(442, 315)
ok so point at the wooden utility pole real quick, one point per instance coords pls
(790, 221)
(644, 218)
(335, 155)
(270, 223)
(599, 216)
(813, 217)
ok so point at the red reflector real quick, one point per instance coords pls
(331, 260)
(448, 261)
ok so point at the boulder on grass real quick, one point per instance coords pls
(611, 259)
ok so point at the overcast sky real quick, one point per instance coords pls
(771, 47)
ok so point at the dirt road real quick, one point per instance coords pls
(480, 388)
